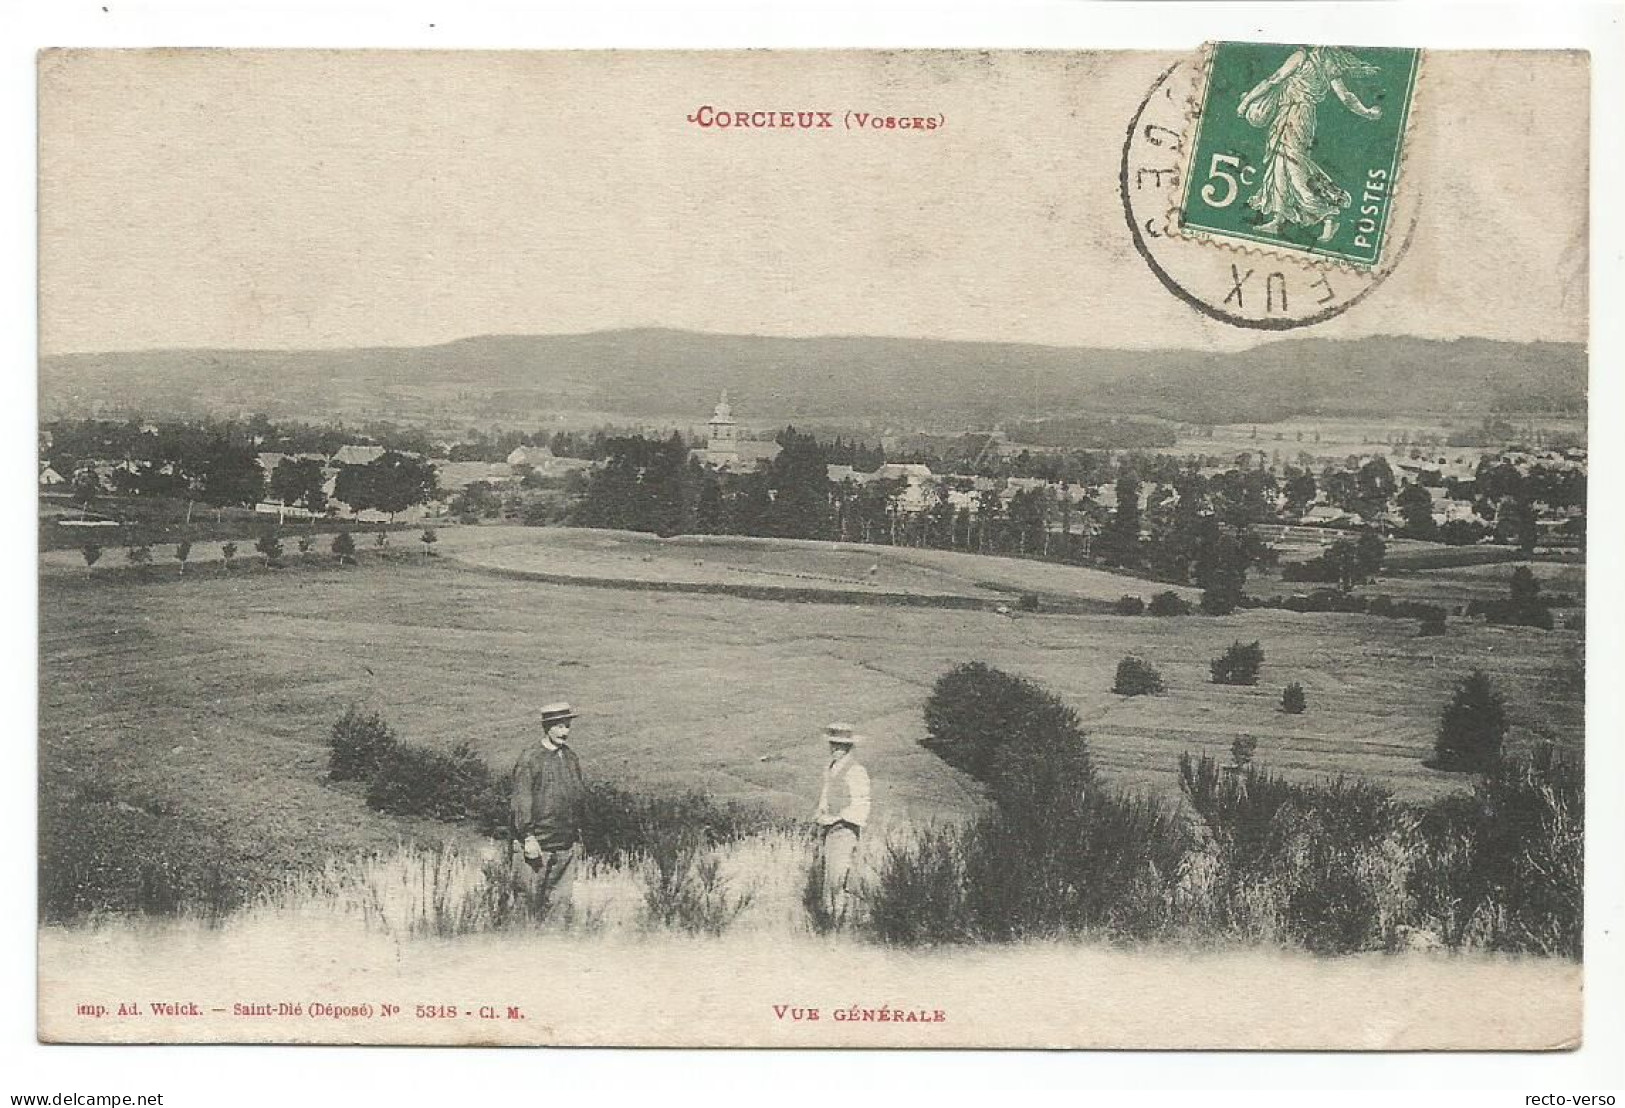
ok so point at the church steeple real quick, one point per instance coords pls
(724, 432)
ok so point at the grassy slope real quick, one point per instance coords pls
(786, 563)
(214, 695)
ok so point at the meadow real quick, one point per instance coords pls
(206, 702)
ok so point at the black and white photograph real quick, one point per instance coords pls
(814, 549)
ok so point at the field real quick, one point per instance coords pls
(212, 697)
(1341, 436)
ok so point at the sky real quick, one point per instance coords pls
(323, 199)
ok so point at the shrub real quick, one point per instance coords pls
(1100, 860)
(183, 551)
(1471, 727)
(1219, 602)
(1242, 748)
(1027, 602)
(1316, 865)
(974, 710)
(453, 785)
(358, 744)
(617, 825)
(1432, 623)
(306, 544)
(1293, 702)
(1136, 677)
(1239, 665)
(139, 554)
(428, 539)
(1462, 532)
(1169, 603)
(1503, 868)
(99, 853)
(344, 548)
(228, 551)
(270, 545)
(1129, 606)
(919, 892)
(683, 888)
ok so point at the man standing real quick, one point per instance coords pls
(546, 806)
(843, 809)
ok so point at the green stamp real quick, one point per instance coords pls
(1298, 148)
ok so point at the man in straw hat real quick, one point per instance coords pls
(843, 809)
(546, 806)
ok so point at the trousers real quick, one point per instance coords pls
(550, 878)
(840, 843)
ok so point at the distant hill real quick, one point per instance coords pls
(656, 374)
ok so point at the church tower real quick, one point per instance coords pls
(722, 448)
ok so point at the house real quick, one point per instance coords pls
(354, 454)
(912, 472)
(1325, 515)
(49, 477)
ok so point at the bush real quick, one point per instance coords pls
(919, 892)
(1293, 702)
(1169, 603)
(1219, 602)
(1239, 665)
(98, 853)
(617, 825)
(359, 742)
(1129, 606)
(683, 888)
(453, 785)
(1099, 861)
(344, 548)
(1314, 865)
(1518, 612)
(1136, 677)
(1027, 602)
(975, 710)
(92, 553)
(270, 545)
(1472, 727)
(1504, 868)
(1462, 532)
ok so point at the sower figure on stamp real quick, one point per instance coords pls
(1293, 187)
(843, 809)
(546, 805)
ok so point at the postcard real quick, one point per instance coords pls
(910, 548)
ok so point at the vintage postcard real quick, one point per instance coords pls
(1069, 549)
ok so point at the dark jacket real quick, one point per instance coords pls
(548, 797)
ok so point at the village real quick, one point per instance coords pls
(1043, 499)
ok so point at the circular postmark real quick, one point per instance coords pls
(1245, 284)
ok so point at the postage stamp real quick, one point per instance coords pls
(1225, 225)
(1299, 148)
